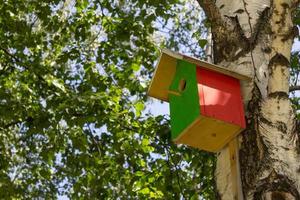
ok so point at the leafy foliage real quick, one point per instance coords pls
(294, 65)
(73, 90)
(294, 82)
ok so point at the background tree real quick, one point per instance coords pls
(73, 81)
(73, 84)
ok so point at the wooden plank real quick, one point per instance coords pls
(224, 93)
(235, 174)
(184, 109)
(163, 76)
(233, 164)
(174, 92)
(207, 65)
(172, 53)
(208, 134)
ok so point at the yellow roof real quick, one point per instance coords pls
(166, 69)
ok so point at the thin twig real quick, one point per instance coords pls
(6, 126)
(90, 133)
(294, 88)
(16, 59)
(176, 171)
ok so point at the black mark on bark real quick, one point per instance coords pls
(280, 126)
(279, 95)
(279, 59)
(267, 50)
(276, 183)
(277, 196)
(239, 11)
(285, 5)
(291, 34)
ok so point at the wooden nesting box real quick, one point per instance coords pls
(205, 100)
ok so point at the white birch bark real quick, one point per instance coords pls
(254, 37)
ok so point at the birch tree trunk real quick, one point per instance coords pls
(254, 37)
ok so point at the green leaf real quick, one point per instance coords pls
(139, 173)
(144, 191)
(51, 80)
(202, 43)
(139, 107)
(135, 67)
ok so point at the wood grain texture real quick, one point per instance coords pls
(208, 134)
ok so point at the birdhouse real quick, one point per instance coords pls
(205, 100)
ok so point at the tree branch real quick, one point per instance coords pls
(17, 60)
(170, 163)
(96, 143)
(294, 88)
(6, 126)
(211, 10)
(209, 47)
(3, 70)
(295, 4)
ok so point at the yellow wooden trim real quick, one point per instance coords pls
(174, 92)
(174, 54)
(234, 135)
(233, 147)
(163, 77)
(207, 65)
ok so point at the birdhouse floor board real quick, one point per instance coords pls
(208, 134)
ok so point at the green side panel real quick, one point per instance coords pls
(184, 109)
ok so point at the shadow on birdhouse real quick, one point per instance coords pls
(205, 100)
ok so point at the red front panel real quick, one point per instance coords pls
(220, 97)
